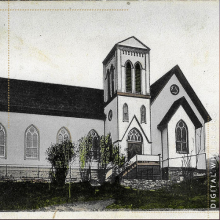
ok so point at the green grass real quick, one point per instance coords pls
(26, 195)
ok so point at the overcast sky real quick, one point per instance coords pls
(68, 47)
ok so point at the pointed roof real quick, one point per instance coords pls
(180, 102)
(131, 42)
(135, 118)
(157, 87)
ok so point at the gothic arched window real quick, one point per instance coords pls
(134, 135)
(63, 135)
(108, 84)
(125, 112)
(128, 77)
(95, 144)
(2, 141)
(31, 143)
(113, 80)
(134, 143)
(182, 138)
(143, 114)
(137, 78)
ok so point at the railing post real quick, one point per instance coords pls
(70, 172)
(136, 167)
(160, 170)
(6, 171)
(38, 172)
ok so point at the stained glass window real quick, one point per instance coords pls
(32, 143)
(143, 114)
(128, 77)
(125, 112)
(181, 138)
(63, 135)
(137, 78)
(95, 144)
(2, 141)
(113, 80)
(134, 135)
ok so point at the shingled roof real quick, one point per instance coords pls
(157, 87)
(51, 99)
(183, 102)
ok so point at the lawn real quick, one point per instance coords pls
(27, 195)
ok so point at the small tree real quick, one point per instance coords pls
(60, 155)
(110, 153)
(85, 156)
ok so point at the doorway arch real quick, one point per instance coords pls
(135, 142)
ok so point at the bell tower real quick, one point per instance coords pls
(126, 79)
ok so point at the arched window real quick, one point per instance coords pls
(181, 138)
(125, 112)
(63, 135)
(137, 78)
(134, 143)
(113, 80)
(31, 143)
(2, 141)
(134, 135)
(128, 77)
(95, 144)
(108, 84)
(143, 114)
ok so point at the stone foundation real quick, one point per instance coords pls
(42, 174)
(178, 174)
(146, 184)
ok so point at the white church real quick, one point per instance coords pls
(158, 127)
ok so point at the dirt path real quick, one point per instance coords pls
(98, 205)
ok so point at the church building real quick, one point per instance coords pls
(160, 128)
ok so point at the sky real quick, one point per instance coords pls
(68, 47)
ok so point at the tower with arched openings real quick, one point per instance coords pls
(126, 78)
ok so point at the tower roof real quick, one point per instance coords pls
(131, 42)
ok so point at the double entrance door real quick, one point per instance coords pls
(133, 149)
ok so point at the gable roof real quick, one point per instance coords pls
(135, 118)
(180, 102)
(129, 39)
(123, 43)
(51, 99)
(157, 87)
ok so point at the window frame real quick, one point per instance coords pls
(38, 143)
(126, 69)
(58, 134)
(2, 127)
(95, 152)
(125, 119)
(143, 108)
(135, 71)
(112, 81)
(134, 132)
(181, 151)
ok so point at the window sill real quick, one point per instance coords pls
(2, 157)
(182, 152)
(31, 158)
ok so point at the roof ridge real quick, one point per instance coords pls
(173, 109)
(158, 86)
(49, 83)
